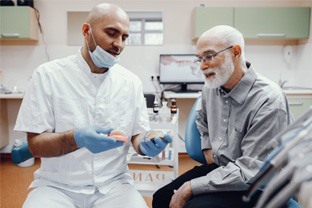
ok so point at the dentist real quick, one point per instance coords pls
(69, 112)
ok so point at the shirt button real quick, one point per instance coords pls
(224, 120)
(226, 101)
(220, 139)
(214, 155)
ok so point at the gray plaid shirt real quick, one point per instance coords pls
(236, 126)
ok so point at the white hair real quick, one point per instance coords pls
(230, 37)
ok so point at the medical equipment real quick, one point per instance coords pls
(283, 165)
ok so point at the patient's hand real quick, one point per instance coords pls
(181, 196)
(208, 156)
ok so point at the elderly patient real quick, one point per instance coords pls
(241, 111)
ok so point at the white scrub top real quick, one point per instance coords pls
(62, 96)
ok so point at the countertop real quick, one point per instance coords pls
(298, 92)
(169, 94)
(288, 91)
(12, 96)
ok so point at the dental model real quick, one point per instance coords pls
(155, 133)
(118, 135)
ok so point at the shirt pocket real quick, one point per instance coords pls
(71, 113)
(118, 114)
(236, 133)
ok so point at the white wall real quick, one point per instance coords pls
(18, 62)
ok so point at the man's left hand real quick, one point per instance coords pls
(181, 196)
(154, 146)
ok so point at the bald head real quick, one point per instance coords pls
(107, 28)
(106, 10)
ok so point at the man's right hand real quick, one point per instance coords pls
(95, 139)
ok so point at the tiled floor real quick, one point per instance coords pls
(15, 180)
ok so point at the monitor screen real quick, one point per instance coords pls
(179, 69)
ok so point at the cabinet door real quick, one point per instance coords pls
(4, 126)
(18, 23)
(208, 17)
(274, 22)
(299, 105)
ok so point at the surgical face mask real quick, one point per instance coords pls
(100, 57)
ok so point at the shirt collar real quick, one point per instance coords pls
(241, 90)
(83, 64)
(85, 67)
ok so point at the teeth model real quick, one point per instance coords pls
(118, 135)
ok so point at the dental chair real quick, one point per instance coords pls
(193, 143)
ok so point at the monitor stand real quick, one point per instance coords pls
(183, 87)
(185, 90)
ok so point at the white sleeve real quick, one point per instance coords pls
(36, 112)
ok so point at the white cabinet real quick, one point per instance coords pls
(4, 127)
(9, 105)
(149, 179)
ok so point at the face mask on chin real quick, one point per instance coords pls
(100, 57)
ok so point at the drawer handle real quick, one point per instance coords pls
(271, 35)
(10, 35)
(296, 103)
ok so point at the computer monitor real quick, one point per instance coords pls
(179, 69)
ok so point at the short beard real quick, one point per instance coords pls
(221, 74)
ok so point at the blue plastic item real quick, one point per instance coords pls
(21, 153)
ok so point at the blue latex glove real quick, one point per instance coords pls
(153, 146)
(95, 139)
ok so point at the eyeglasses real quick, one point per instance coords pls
(209, 57)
